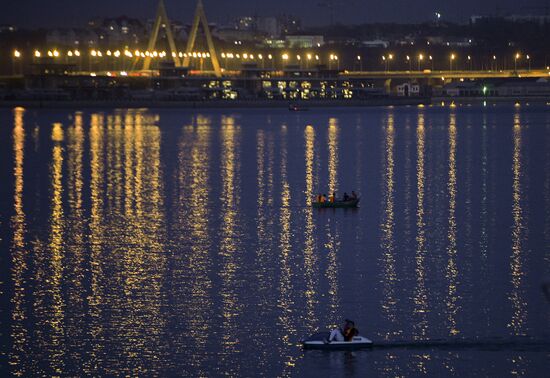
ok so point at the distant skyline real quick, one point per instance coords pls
(71, 13)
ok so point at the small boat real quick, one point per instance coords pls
(320, 341)
(336, 204)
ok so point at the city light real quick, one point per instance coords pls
(17, 54)
(285, 56)
(37, 54)
(77, 53)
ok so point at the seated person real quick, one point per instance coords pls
(350, 331)
(346, 197)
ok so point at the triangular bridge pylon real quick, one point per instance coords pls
(161, 19)
(200, 19)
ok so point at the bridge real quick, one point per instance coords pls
(446, 75)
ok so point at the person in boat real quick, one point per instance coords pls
(332, 198)
(323, 198)
(346, 335)
(350, 331)
(319, 197)
(346, 197)
(353, 195)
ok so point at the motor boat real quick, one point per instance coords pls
(320, 341)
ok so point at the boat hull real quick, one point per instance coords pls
(319, 341)
(336, 205)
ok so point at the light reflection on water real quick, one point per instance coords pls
(173, 243)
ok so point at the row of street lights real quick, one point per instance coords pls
(286, 57)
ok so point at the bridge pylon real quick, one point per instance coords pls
(161, 20)
(200, 20)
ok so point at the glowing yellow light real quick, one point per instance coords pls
(50, 54)
(260, 56)
(316, 57)
(123, 73)
(420, 57)
(17, 54)
(245, 55)
(308, 56)
(453, 56)
(37, 54)
(77, 53)
(223, 55)
(117, 54)
(180, 54)
(109, 53)
(285, 56)
(358, 57)
(517, 55)
(298, 57)
(137, 53)
(269, 56)
(390, 56)
(69, 53)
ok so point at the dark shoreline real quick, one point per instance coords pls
(277, 104)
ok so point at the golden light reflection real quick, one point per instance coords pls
(310, 258)
(517, 270)
(55, 313)
(96, 297)
(420, 293)
(75, 242)
(389, 301)
(333, 131)
(333, 238)
(192, 224)
(229, 251)
(452, 269)
(285, 319)
(19, 332)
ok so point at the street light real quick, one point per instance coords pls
(37, 54)
(360, 62)
(451, 61)
(528, 61)
(516, 57)
(16, 57)
(420, 58)
(409, 61)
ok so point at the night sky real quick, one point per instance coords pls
(38, 13)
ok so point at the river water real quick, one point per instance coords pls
(180, 242)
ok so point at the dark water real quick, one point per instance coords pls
(163, 243)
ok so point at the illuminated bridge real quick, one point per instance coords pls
(445, 75)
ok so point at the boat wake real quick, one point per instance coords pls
(521, 344)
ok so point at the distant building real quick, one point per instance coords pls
(237, 36)
(376, 43)
(408, 89)
(71, 37)
(304, 41)
(120, 30)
